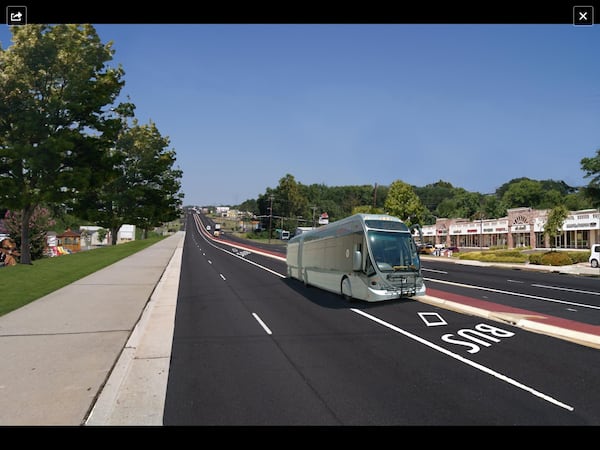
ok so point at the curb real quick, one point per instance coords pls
(517, 320)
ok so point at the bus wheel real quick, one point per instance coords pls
(346, 289)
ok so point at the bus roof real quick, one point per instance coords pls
(355, 223)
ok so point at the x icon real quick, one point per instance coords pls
(583, 15)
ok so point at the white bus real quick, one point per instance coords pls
(370, 257)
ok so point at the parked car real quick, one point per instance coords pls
(426, 249)
(594, 259)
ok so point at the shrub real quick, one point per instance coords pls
(535, 258)
(506, 256)
(579, 257)
(556, 259)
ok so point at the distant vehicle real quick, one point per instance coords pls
(453, 249)
(594, 258)
(426, 249)
(217, 226)
(285, 235)
(370, 257)
(208, 227)
(300, 230)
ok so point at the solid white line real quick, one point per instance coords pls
(464, 360)
(434, 270)
(517, 294)
(566, 289)
(262, 324)
(242, 258)
(221, 275)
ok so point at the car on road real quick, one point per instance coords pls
(594, 258)
(426, 249)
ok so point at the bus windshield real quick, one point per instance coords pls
(393, 252)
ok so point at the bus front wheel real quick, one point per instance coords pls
(346, 289)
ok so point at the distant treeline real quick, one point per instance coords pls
(302, 203)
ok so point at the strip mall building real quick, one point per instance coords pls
(523, 227)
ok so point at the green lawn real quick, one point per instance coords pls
(22, 284)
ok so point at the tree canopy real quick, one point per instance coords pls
(55, 115)
(591, 167)
(437, 200)
(142, 187)
(64, 141)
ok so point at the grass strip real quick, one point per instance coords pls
(24, 283)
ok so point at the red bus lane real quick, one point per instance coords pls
(581, 333)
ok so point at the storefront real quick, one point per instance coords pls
(581, 230)
(522, 228)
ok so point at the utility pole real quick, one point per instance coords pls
(375, 197)
(270, 216)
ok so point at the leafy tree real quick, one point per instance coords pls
(154, 183)
(523, 193)
(142, 188)
(493, 207)
(503, 188)
(591, 167)
(40, 221)
(554, 223)
(55, 119)
(560, 186)
(432, 195)
(249, 205)
(289, 199)
(549, 199)
(403, 203)
(102, 234)
(577, 201)
(366, 209)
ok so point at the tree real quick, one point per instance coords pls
(432, 195)
(523, 193)
(55, 119)
(403, 203)
(40, 221)
(367, 209)
(153, 181)
(554, 223)
(288, 199)
(249, 205)
(142, 188)
(591, 167)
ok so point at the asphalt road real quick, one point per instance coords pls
(251, 347)
(570, 297)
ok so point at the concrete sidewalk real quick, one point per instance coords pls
(87, 353)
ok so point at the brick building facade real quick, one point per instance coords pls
(522, 227)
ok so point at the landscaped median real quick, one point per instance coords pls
(24, 283)
(544, 258)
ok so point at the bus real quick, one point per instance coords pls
(370, 257)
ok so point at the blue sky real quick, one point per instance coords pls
(352, 104)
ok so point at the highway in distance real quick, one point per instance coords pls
(252, 347)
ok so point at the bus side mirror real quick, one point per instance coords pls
(357, 261)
